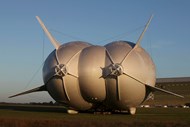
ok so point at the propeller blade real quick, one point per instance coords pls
(154, 88)
(38, 89)
(51, 38)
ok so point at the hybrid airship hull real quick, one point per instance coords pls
(118, 76)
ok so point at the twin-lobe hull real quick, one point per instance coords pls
(119, 75)
(86, 82)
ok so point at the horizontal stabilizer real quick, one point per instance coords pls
(41, 88)
(164, 91)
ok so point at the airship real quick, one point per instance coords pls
(117, 76)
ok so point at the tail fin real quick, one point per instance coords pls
(154, 89)
(38, 89)
(55, 43)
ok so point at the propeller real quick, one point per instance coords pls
(116, 69)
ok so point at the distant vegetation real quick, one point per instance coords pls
(32, 103)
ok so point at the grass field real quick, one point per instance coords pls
(47, 116)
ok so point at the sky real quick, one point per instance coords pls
(24, 47)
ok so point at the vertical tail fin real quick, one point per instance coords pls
(51, 38)
(142, 34)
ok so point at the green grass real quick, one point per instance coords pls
(30, 116)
